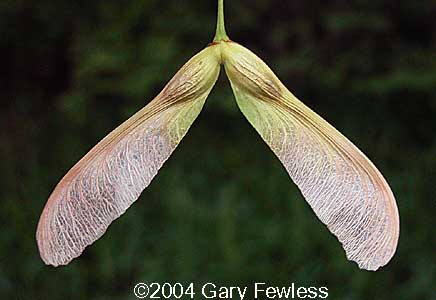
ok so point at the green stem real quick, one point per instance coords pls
(220, 34)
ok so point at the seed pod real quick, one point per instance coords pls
(343, 187)
(110, 177)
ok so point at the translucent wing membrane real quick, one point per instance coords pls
(342, 186)
(108, 179)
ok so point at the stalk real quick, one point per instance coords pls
(220, 33)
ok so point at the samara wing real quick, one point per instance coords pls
(110, 177)
(343, 187)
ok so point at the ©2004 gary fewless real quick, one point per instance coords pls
(342, 186)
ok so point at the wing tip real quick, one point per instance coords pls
(374, 262)
(52, 257)
(43, 236)
(370, 266)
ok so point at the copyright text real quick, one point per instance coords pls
(259, 290)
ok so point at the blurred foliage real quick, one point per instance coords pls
(222, 209)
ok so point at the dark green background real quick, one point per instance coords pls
(222, 209)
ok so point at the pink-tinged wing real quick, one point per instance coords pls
(109, 178)
(343, 187)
